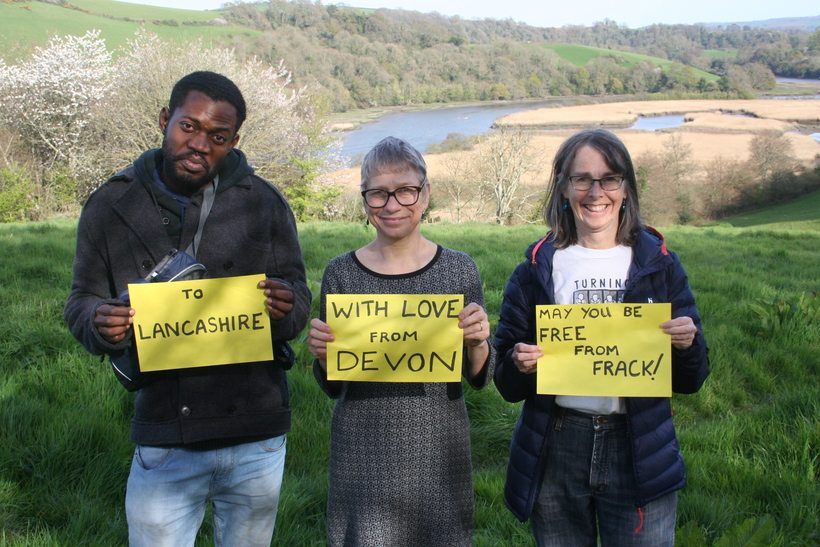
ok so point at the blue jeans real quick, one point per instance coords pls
(589, 489)
(168, 489)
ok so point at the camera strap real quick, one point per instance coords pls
(208, 196)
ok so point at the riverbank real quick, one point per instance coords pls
(353, 119)
(785, 114)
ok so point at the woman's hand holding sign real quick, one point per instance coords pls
(474, 322)
(526, 356)
(683, 331)
(318, 337)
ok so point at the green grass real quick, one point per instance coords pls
(27, 24)
(720, 53)
(580, 55)
(803, 214)
(751, 436)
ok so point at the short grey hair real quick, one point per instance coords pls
(392, 155)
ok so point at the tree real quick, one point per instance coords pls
(503, 161)
(814, 41)
(281, 136)
(771, 152)
(722, 187)
(461, 186)
(771, 159)
(50, 99)
(677, 164)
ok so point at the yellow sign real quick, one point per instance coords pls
(609, 350)
(395, 337)
(187, 324)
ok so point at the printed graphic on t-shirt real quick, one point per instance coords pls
(598, 291)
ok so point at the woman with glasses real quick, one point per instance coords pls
(583, 468)
(400, 472)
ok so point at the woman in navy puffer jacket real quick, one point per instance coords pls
(584, 467)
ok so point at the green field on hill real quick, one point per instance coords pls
(750, 437)
(580, 55)
(27, 24)
(801, 214)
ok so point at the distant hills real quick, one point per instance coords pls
(781, 23)
(356, 58)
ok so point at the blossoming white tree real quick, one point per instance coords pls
(50, 99)
(281, 136)
(86, 115)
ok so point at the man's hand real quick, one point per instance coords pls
(113, 322)
(280, 297)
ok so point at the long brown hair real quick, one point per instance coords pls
(562, 221)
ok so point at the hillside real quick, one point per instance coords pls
(24, 25)
(352, 58)
(581, 56)
(800, 214)
(780, 23)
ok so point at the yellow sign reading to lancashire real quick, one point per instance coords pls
(395, 337)
(186, 324)
(608, 350)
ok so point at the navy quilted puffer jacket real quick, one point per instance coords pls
(655, 275)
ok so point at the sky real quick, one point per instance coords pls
(557, 13)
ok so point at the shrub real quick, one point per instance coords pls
(17, 195)
(782, 313)
(453, 143)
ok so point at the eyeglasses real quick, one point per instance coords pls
(608, 183)
(406, 195)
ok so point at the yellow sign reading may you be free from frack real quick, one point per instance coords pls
(206, 322)
(394, 337)
(609, 350)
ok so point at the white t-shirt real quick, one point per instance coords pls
(591, 276)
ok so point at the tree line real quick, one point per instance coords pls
(396, 57)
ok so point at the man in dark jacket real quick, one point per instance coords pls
(203, 433)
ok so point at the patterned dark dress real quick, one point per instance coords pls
(400, 471)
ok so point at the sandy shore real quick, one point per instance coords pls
(804, 111)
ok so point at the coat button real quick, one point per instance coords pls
(228, 265)
(186, 411)
(232, 409)
(147, 265)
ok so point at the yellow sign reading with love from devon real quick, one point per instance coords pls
(395, 337)
(185, 324)
(608, 350)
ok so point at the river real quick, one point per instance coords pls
(424, 127)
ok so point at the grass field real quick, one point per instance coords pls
(580, 55)
(27, 24)
(751, 436)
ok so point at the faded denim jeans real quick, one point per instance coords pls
(168, 489)
(589, 489)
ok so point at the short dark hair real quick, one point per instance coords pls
(562, 221)
(393, 155)
(216, 86)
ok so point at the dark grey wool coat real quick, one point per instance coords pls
(250, 230)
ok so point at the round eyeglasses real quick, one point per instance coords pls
(608, 183)
(406, 195)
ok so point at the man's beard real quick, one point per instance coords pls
(180, 180)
